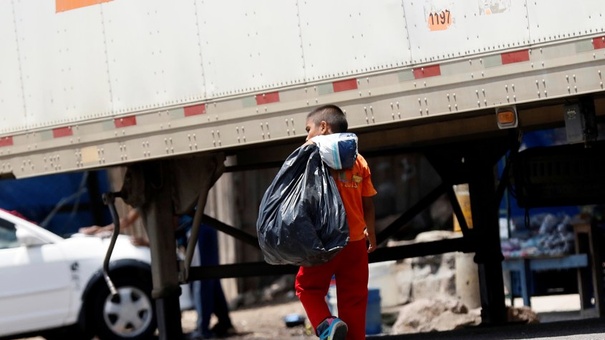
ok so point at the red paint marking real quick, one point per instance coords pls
(6, 141)
(267, 98)
(598, 42)
(195, 110)
(62, 132)
(427, 71)
(124, 122)
(515, 57)
(344, 85)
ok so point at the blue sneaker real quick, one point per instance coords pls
(332, 329)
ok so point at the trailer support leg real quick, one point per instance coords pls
(484, 210)
(162, 190)
(158, 218)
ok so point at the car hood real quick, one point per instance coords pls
(94, 247)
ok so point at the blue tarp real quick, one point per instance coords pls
(61, 203)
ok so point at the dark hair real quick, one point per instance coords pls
(332, 115)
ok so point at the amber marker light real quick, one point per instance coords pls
(506, 117)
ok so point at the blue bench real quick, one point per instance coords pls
(524, 266)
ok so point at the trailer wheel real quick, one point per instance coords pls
(129, 315)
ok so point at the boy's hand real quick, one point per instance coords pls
(139, 241)
(93, 229)
(371, 237)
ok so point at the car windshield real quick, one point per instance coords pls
(8, 234)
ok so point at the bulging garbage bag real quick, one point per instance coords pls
(301, 218)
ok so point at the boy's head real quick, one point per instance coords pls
(325, 120)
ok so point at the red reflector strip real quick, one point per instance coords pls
(6, 141)
(267, 98)
(515, 57)
(344, 85)
(62, 132)
(195, 110)
(427, 71)
(124, 122)
(598, 42)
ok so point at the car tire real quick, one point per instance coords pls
(129, 315)
(71, 332)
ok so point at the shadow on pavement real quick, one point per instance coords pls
(592, 328)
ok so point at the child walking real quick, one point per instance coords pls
(350, 265)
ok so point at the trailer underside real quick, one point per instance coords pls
(457, 155)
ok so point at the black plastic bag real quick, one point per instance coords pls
(301, 219)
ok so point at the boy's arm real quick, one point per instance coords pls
(368, 215)
(132, 216)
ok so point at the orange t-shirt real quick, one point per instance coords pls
(353, 184)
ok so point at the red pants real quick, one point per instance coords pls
(350, 267)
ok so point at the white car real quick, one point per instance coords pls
(54, 287)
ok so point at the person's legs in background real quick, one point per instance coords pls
(207, 307)
(211, 293)
(224, 326)
(201, 331)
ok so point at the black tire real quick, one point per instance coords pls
(71, 332)
(130, 315)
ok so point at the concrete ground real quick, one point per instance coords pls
(560, 318)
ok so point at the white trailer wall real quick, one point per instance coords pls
(125, 56)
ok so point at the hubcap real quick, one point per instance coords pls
(129, 313)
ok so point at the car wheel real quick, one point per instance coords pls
(127, 315)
